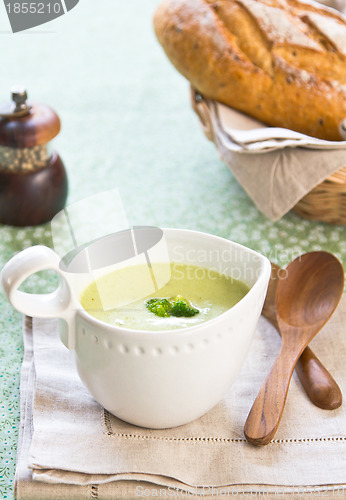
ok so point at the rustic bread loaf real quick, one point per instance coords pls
(280, 61)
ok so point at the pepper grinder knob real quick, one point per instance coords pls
(19, 97)
(18, 106)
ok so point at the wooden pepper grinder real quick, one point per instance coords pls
(33, 180)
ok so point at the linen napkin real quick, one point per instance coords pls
(244, 134)
(71, 448)
(276, 167)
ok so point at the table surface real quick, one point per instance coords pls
(127, 124)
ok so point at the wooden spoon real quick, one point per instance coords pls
(305, 300)
(318, 383)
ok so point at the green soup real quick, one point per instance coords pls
(210, 292)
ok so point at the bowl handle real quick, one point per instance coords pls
(58, 304)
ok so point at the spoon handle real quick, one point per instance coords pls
(318, 383)
(265, 414)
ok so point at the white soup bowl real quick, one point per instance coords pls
(153, 379)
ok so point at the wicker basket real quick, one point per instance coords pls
(326, 202)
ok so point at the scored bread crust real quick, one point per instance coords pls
(280, 61)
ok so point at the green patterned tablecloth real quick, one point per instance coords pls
(126, 123)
